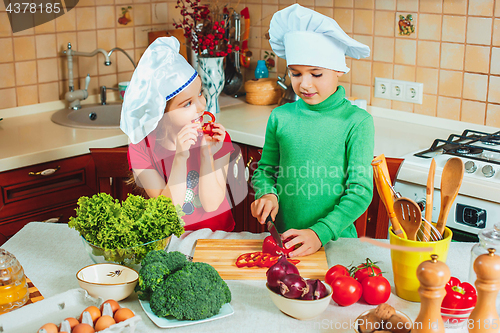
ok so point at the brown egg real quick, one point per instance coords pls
(49, 328)
(114, 305)
(94, 311)
(72, 322)
(104, 322)
(123, 314)
(83, 328)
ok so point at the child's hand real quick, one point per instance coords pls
(186, 137)
(214, 140)
(308, 238)
(265, 205)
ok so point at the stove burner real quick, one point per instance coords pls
(464, 151)
(493, 141)
(471, 144)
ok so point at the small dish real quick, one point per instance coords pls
(299, 308)
(170, 322)
(108, 281)
(455, 317)
(359, 320)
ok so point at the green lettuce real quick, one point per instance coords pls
(116, 230)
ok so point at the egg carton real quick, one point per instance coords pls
(55, 309)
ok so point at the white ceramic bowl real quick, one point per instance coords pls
(298, 308)
(109, 281)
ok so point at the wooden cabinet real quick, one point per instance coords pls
(246, 165)
(44, 192)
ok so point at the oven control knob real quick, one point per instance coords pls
(488, 171)
(470, 167)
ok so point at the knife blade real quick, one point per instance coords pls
(274, 232)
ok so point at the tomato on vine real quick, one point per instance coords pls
(364, 270)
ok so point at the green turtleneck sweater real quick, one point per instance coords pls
(317, 160)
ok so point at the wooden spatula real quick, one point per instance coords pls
(451, 180)
(382, 181)
(409, 216)
(429, 198)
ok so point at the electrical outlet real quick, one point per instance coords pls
(411, 92)
(414, 92)
(382, 87)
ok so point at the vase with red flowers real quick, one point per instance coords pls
(206, 28)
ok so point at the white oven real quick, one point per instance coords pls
(477, 205)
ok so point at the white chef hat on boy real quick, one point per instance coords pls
(305, 37)
(161, 74)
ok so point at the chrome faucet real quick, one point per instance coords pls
(74, 96)
(123, 51)
(104, 88)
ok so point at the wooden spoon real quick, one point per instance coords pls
(451, 180)
(409, 216)
(382, 181)
(429, 198)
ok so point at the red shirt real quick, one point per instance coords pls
(149, 155)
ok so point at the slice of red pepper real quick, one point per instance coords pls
(259, 259)
(459, 295)
(205, 128)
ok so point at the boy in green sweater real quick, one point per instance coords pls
(315, 176)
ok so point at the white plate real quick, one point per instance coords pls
(169, 322)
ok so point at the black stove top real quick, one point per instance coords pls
(470, 144)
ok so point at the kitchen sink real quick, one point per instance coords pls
(90, 116)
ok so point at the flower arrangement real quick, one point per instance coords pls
(205, 28)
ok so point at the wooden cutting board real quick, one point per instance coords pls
(222, 255)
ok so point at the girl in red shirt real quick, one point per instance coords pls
(174, 157)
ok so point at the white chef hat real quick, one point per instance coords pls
(161, 74)
(305, 37)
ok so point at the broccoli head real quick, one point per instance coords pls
(195, 292)
(156, 266)
(174, 260)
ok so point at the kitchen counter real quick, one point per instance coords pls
(51, 254)
(30, 137)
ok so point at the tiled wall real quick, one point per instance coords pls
(455, 51)
(34, 70)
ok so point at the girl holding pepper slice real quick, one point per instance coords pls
(172, 153)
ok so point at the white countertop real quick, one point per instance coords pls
(51, 254)
(28, 136)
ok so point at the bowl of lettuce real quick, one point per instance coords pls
(125, 232)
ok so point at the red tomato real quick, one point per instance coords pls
(366, 269)
(334, 272)
(270, 246)
(346, 290)
(376, 289)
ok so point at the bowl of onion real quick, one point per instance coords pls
(295, 296)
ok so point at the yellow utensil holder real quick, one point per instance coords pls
(405, 263)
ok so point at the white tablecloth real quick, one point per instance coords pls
(51, 254)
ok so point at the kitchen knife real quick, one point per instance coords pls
(272, 229)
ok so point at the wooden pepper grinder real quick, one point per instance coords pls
(484, 317)
(433, 276)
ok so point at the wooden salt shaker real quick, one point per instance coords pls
(484, 317)
(433, 276)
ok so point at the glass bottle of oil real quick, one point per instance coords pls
(13, 287)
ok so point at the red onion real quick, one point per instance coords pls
(320, 290)
(278, 271)
(293, 286)
(310, 294)
(317, 290)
